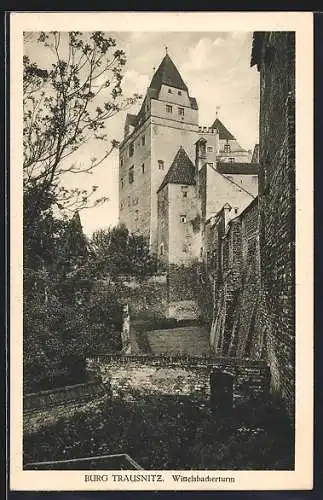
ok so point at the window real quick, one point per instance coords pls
(143, 140)
(131, 149)
(131, 175)
(143, 168)
(210, 164)
(121, 183)
(129, 201)
(210, 149)
(169, 109)
(170, 91)
(183, 219)
(121, 162)
(161, 249)
(161, 164)
(236, 210)
(121, 206)
(181, 111)
(227, 148)
(179, 92)
(184, 192)
(231, 160)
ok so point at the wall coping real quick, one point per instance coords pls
(147, 358)
(64, 388)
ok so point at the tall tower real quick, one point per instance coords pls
(168, 119)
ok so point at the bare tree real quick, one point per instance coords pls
(67, 105)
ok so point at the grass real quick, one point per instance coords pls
(170, 433)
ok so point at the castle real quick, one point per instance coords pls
(174, 175)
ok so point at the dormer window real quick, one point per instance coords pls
(169, 109)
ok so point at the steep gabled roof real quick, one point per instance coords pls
(167, 74)
(237, 168)
(181, 171)
(223, 131)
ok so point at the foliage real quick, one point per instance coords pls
(77, 319)
(116, 252)
(167, 432)
(66, 105)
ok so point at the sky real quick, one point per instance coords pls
(216, 68)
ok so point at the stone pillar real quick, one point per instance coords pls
(125, 333)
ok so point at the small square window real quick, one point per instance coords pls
(183, 219)
(160, 164)
(181, 111)
(143, 168)
(184, 193)
(169, 109)
(179, 92)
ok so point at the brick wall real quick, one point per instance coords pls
(177, 375)
(44, 408)
(275, 57)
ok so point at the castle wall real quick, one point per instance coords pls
(248, 182)
(163, 227)
(220, 190)
(277, 206)
(166, 138)
(135, 197)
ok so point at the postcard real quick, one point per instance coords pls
(161, 255)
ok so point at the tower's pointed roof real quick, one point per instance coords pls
(223, 131)
(167, 74)
(181, 171)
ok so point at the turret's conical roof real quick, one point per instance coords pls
(181, 171)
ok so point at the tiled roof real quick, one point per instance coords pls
(223, 131)
(181, 171)
(167, 74)
(237, 168)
